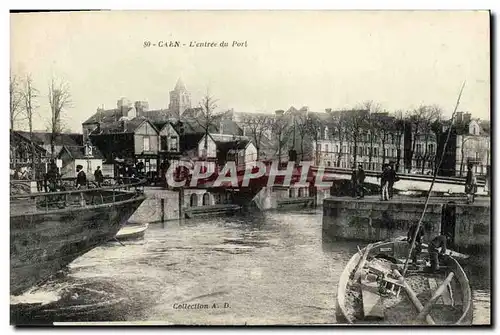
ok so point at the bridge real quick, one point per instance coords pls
(257, 175)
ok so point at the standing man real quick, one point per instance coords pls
(81, 178)
(360, 179)
(393, 177)
(353, 181)
(99, 178)
(470, 184)
(52, 176)
(384, 183)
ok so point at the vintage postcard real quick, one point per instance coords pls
(250, 168)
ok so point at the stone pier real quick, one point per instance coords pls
(371, 219)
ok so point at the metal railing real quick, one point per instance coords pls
(75, 198)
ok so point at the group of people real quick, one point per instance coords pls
(81, 177)
(387, 179)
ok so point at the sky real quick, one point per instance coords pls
(319, 59)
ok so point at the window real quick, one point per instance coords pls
(163, 143)
(375, 151)
(393, 153)
(146, 143)
(326, 147)
(173, 143)
(326, 133)
(319, 148)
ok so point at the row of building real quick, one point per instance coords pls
(133, 133)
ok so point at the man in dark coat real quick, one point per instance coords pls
(81, 177)
(99, 178)
(52, 176)
(360, 179)
(470, 184)
(353, 181)
(439, 242)
(418, 241)
(392, 178)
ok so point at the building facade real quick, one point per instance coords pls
(473, 146)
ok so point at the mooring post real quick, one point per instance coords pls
(162, 204)
(181, 203)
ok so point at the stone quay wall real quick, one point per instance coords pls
(373, 220)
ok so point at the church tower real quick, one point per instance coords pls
(180, 99)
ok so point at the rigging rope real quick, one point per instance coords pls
(414, 238)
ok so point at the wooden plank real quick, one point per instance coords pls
(362, 262)
(447, 300)
(373, 307)
(435, 296)
(433, 287)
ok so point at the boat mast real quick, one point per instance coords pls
(436, 168)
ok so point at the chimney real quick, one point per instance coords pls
(467, 118)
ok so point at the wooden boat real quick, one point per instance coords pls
(131, 232)
(50, 230)
(371, 290)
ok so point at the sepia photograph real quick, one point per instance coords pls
(250, 168)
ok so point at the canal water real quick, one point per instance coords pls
(271, 268)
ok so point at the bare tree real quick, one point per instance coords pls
(59, 100)
(301, 125)
(312, 126)
(281, 130)
(384, 127)
(16, 101)
(399, 131)
(463, 140)
(29, 95)
(207, 117)
(420, 121)
(257, 125)
(337, 122)
(433, 114)
(372, 124)
(355, 123)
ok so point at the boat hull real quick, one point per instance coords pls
(42, 243)
(131, 233)
(397, 249)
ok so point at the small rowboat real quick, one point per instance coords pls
(372, 290)
(130, 232)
